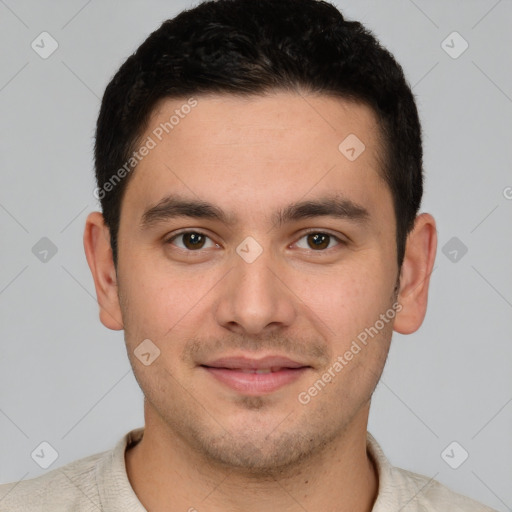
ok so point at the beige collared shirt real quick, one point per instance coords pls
(100, 483)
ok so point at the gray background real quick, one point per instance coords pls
(65, 379)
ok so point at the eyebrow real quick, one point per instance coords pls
(174, 206)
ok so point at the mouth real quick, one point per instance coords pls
(259, 371)
(255, 376)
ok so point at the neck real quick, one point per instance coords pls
(166, 473)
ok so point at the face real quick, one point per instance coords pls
(247, 233)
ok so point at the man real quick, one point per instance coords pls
(259, 166)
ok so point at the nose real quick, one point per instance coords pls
(255, 298)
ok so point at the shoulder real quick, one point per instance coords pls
(70, 487)
(427, 494)
(404, 490)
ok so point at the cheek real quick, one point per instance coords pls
(159, 303)
(347, 300)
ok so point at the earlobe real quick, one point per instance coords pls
(99, 257)
(415, 274)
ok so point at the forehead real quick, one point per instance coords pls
(246, 120)
(257, 149)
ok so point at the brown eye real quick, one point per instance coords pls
(191, 240)
(318, 241)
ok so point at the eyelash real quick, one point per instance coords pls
(340, 241)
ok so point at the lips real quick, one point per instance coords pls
(273, 369)
(273, 363)
(255, 376)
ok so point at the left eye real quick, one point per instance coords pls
(318, 241)
(192, 240)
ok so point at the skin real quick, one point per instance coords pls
(206, 445)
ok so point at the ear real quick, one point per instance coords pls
(99, 257)
(420, 253)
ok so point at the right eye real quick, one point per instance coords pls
(191, 240)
